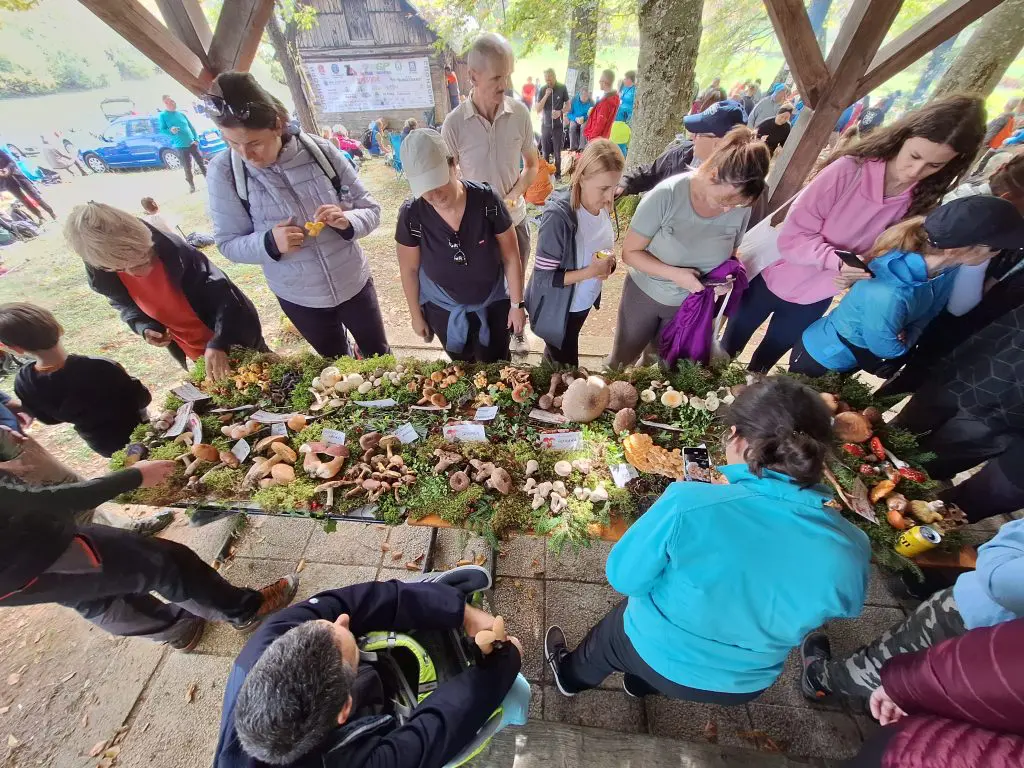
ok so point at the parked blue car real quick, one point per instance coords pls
(135, 141)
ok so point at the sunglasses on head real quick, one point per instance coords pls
(219, 107)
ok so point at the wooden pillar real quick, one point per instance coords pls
(237, 37)
(186, 21)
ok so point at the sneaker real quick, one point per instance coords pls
(815, 650)
(147, 526)
(274, 597)
(630, 691)
(555, 650)
(191, 636)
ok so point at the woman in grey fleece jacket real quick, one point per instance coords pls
(568, 273)
(270, 194)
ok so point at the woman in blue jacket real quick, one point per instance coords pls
(881, 319)
(721, 581)
(582, 103)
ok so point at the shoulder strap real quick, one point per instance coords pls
(241, 180)
(321, 159)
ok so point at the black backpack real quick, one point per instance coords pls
(368, 138)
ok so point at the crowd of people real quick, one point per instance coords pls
(931, 265)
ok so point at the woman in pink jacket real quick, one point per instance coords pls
(903, 169)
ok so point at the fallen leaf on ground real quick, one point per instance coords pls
(385, 547)
(412, 566)
(4, 710)
(190, 694)
(85, 719)
(11, 741)
(397, 556)
(98, 747)
(463, 562)
(711, 732)
(38, 637)
(113, 751)
(301, 566)
(479, 559)
(13, 679)
(418, 558)
(67, 677)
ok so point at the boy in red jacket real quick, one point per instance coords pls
(599, 124)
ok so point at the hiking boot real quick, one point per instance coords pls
(274, 597)
(190, 638)
(815, 650)
(555, 651)
(151, 524)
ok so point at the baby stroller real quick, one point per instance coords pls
(412, 665)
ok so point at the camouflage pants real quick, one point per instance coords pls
(857, 675)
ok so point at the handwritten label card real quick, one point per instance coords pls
(189, 392)
(622, 474)
(385, 403)
(426, 408)
(333, 437)
(486, 413)
(561, 441)
(196, 427)
(465, 432)
(547, 418)
(280, 428)
(265, 417)
(406, 433)
(180, 420)
(241, 450)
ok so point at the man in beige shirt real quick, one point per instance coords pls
(490, 134)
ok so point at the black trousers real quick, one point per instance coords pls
(187, 154)
(551, 135)
(28, 195)
(120, 570)
(607, 649)
(800, 361)
(324, 328)
(872, 752)
(569, 352)
(474, 351)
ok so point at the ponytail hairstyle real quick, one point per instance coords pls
(243, 93)
(908, 236)
(787, 426)
(957, 120)
(600, 156)
(741, 161)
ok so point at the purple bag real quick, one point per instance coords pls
(688, 334)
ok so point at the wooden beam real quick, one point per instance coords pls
(799, 47)
(186, 20)
(144, 31)
(855, 47)
(237, 37)
(935, 28)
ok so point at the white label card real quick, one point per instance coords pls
(546, 417)
(561, 441)
(280, 428)
(486, 413)
(333, 437)
(659, 425)
(180, 420)
(196, 427)
(465, 432)
(622, 474)
(189, 392)
(406, 433)
(241, 450)
(426, 408)
(385, 403)
(265, 417)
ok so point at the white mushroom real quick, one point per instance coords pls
(531, 466)
(530, 484)
(599, 494)
(563, 468)
(558, 503)
(365, 387)
(583, 465)
(558, 487)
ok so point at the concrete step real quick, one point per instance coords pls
(555, 745)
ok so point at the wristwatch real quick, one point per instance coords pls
(518, 305)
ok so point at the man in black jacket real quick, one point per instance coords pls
(107, 574)
(707, 129)
(297, 695)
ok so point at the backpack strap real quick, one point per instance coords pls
(321, 159)
(240, 177)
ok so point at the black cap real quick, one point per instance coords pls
(976, 220)
(718, 119)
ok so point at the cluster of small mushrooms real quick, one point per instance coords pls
(331, 384)
(554, 493)
(379, 470)
(486, 472)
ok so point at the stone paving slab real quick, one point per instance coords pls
(350, 544)
(688, 721)
(847, 635)
(275, 537)
(611, 710)
(521, 603)
(879, 592)
(807, 733)
(523, 556)
(172, 729)
(317, 577)
(576, 607)
(585, 565)
(455, 544)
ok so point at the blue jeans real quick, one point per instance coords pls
(788, 323)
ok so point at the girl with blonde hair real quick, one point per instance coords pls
(164, 289)
(574, 251)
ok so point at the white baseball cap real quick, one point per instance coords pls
(425, 160)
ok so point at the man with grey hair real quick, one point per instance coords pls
(298, 696)
(490, 134)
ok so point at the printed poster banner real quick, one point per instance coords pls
(372, 85)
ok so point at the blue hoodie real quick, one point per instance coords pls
(724, 580)
(580, 108)
(994, 592)
(627, 94)
(901, 297)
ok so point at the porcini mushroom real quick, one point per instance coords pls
(297, 422)
(263, 444)
(285, 452)
(282, 473)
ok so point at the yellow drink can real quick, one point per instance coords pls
(918, 539)
(604, 254)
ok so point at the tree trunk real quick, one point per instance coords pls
(994, 45)
(583, 43)
(669, 38)
(936, 63)
(288, 57)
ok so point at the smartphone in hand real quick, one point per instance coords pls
(853, 260)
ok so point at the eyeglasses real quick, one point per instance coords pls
(459, 257)
(219, 107)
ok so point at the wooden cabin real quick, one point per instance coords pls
(374, 58)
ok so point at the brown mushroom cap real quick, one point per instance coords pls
(285, 452)
(625, 420)
(623, 395)
(369, 440)
(282, 473)
(389, 442)
(297, 422)
(522, 393)
(439, 400)
(205, 452)
(229, 459)
(459, 481)
(266, 441)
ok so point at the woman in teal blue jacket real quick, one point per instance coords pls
(582, 103)
(721, 581)
(881, 319)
